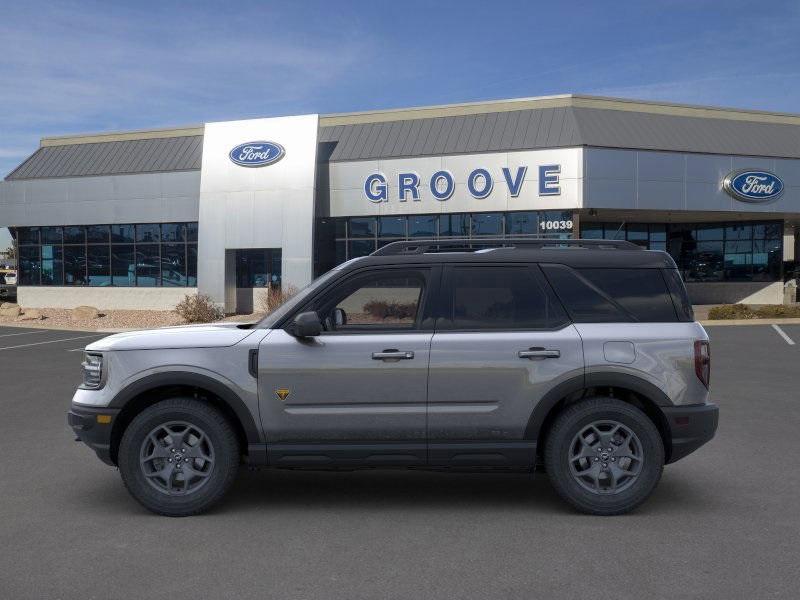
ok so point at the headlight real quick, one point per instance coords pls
(92, 371)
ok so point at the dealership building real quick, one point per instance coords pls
(139, 219)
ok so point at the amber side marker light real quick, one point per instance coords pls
(104, 419)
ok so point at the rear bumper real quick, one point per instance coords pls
(83, 421)
(690, 427)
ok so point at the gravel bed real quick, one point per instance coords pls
(59, 318)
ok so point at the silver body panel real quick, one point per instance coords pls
(663, 355)
(480, 389)
(338, 392)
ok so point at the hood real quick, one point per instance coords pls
(185, 336)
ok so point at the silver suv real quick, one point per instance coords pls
(579, 358)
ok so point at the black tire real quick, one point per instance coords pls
(565, 436)
(219, 443)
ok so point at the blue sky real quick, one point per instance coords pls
(75, 67)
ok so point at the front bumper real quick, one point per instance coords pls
(690, 427)
(94, 432)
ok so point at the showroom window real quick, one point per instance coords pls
(360, 236)
(738, 251)
(132, 255)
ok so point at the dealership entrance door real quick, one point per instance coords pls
(257, 269)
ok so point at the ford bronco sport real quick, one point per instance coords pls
(580, 358)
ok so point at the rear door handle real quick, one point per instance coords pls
(392, 354)
(539, 353)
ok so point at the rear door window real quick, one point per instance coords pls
(499, 298)
(606, 295)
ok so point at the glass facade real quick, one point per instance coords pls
(360, 236)
(142, 255)
(258, 268)
(731, 251)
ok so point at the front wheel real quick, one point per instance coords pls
(604, 456)
(178, 457)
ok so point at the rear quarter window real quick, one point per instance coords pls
(599, 295)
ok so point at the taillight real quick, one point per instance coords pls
(702, 361)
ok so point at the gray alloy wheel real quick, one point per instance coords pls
(603, 455)
(606, 457)
(179, 456)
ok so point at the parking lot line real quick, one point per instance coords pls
(83, 337)
(782, 333)
(23, 333)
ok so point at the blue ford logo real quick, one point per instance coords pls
(257, 154)
(753, 186)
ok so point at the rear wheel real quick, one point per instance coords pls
(604, 456)
(178, 457)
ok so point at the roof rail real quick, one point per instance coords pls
(454, 244)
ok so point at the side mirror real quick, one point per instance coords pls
(306, 324)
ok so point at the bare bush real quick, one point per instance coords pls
(198, 308)
(390, 310)
(272, 297)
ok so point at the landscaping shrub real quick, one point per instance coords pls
(778, 311)
(272, 297)
(198, 308)
(390, 310)
(747, 311)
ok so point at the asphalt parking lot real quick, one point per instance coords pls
(724, 523)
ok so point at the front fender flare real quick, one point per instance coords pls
(188, 378)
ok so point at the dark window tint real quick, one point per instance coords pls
(191, 271)
(392, 227)
(608, 295)
(641, 292)
(584, 302)
(487, 224)
(97, 234)
(28, 235)
(29, 265)
(148, 233)
(454, 225)
(173, 232)
(173, 265)
(122, 234)
(75, 265)
(501, 298)
(680, 299)
(362, 227)
(361, 248)
(99, 261)
(51, 235)
(522, 223)
(422, 226)
(74, 235)
(123, 266)
(148, 262)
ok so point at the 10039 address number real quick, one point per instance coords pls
(555, 225)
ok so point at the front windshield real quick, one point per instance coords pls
(281, 311)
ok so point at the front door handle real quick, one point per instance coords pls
(539, 353)
(392, 354)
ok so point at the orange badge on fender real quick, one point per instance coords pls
(282, 393)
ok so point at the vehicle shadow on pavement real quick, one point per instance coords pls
(406, 489)
(387, 489)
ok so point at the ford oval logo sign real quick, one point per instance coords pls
(257, 154)
(753, 186)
